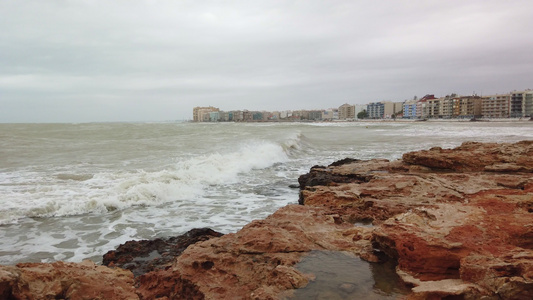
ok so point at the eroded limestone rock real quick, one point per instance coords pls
(458, 222)
(62, 280)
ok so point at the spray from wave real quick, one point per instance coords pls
(187, 180)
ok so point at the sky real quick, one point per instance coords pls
(126, 60)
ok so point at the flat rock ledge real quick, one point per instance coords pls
(458, 222)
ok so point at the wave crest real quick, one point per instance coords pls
(71, 194)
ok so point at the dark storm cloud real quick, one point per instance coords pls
(80, 61)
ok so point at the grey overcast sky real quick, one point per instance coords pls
(126, 60)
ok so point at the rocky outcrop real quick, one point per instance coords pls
(61, 280)
(472, 156)
(458, 215)
(86, 280)
(258, 261)
(457, 222)
(144, 256)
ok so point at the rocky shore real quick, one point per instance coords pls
(457, 223)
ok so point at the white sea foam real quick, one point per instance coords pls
(38, 195)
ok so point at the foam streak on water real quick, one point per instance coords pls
(75, 191)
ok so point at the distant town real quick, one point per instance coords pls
(517, 104)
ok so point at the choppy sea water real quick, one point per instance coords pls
(75, 191)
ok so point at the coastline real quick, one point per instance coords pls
(494, 120)
(456, 221)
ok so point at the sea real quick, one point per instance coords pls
(75, 191)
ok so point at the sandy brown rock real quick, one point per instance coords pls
(61, 280)
(446, 214)
(258, 261)
(473, 156)
(458, 222)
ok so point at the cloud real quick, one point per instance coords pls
(168, 56)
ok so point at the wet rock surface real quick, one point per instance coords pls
(457, 222)
(144, 256)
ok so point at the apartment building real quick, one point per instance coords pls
(247, 116)
(201, 114)
(516, 105)
(421, 111)
(214, 116)
(300, 114)
(409, 109)
(496, 106)
(432, 108)
(375, 110)
(521, 104)
(467, 107)
(346, 111)
(236, 115)
(390, 109)
(527, 104)
(330, 114)
(315, 115)
(446, 106)
(423, 107)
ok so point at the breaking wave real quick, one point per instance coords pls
(72, 194)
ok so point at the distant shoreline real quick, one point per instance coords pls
(493, 120)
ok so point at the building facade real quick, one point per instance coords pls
(446, 106)
(409, 109)
(421, 111)
(433, 108)
(375, 110)
(527, 104)
(521, 104)
(202, 114)
(330, 114)
(466, 107)
(496, 106)
(346, 111)
(315, 115)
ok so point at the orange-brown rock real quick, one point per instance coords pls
(456, 214)
(458, 222)
(258, 261)
(61, 280)
(472, 156)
